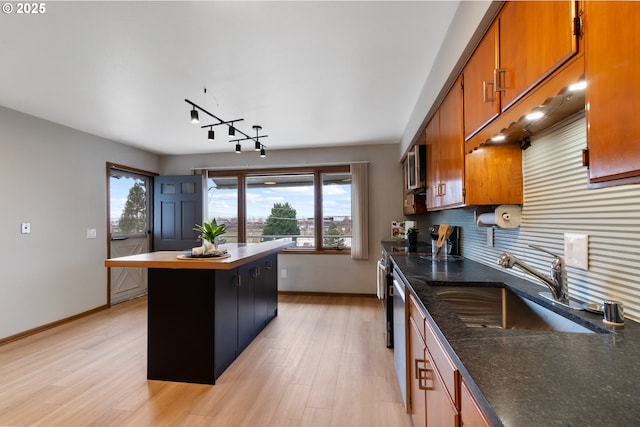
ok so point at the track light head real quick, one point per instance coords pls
(211, 134)
(258, 145)
(194, 116)
(238, 148)
(263, 152)
(232, 131)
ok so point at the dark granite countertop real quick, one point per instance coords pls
(531, 378)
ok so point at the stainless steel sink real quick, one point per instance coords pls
(494, 307)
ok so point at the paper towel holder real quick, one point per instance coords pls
(502, 216)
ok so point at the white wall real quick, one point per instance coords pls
(324, 273)
(55, 178)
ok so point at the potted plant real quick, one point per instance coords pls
(412, 239)
(210, 232)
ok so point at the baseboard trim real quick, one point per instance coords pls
(51, 325)
(326, 294)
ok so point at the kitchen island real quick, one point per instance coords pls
(523, 377)
(202, 312)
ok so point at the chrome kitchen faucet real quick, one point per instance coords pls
(557, 282)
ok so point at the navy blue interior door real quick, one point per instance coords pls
(177, 209)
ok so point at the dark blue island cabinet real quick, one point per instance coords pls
(202, 316)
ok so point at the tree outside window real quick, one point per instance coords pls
(282, 222)
(134, 216)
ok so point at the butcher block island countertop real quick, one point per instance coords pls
(241, 253)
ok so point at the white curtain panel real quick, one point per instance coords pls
(360, 210)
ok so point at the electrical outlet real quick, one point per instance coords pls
(490, 242)
(576, 250)
(283, 273)
(26, 227)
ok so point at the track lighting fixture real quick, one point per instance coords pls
(232, 129)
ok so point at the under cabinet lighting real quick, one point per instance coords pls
(499, 138)
(535, 115)
(581, 85)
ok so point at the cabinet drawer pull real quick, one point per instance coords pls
(499, 79)
(422, 374)
(488, 96)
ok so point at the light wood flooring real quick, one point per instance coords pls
(322, 362)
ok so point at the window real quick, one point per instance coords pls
(311, 206)
(336, 210)
(280, 206)
(222, 204)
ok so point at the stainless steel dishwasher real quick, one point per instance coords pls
(399, 335)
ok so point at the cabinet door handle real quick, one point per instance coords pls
(422, 374)
(443, 189)
(485, 94)
(499, 79)
(418, 369)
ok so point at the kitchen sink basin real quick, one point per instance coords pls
(501, 308)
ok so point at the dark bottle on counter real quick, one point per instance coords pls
(412, 239)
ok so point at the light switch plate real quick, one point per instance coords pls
(576, 250)
(91, 233)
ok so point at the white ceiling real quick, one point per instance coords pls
(319, 74)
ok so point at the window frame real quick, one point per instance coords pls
(316, 171)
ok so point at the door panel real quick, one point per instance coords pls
(129, 205)
(177, 208)
(127, 283)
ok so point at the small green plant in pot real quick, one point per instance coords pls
(211, 232)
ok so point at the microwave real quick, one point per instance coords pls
(415, 168)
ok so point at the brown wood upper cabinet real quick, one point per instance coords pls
(489, 175)
(612, 60)
(445, 153)
(526, 43)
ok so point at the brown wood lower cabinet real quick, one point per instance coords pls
(434, 381)
(418, 406)
(470, 413)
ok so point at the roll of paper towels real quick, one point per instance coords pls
(505, 216)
